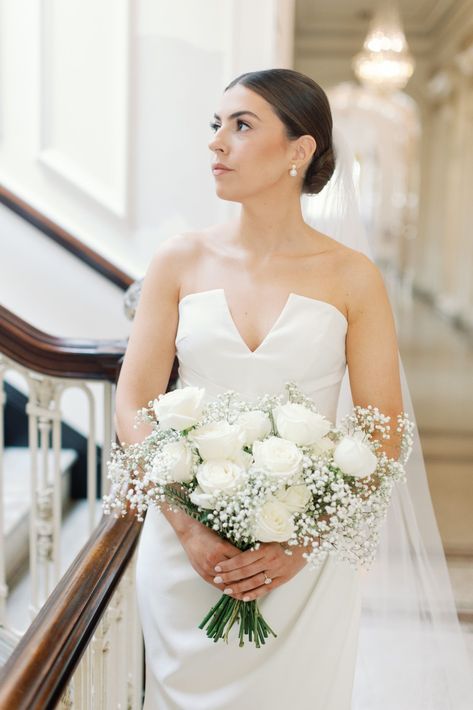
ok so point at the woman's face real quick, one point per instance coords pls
(252, 144)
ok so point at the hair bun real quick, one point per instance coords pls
(304, 109)
(319, 172)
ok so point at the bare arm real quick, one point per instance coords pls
(372, 348)
(145, 374)
(151, 349)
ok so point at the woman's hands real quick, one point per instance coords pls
(239, 574)
(242, 575)
(205, 549)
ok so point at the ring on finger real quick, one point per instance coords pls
(267, 580)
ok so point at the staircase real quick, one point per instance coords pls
(17, 497)
(16, 522)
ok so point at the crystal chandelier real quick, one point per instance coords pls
(385, 62)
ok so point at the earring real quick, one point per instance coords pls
(293, 170)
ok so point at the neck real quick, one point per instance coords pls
(272, 226)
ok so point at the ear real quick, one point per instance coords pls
(305, 148)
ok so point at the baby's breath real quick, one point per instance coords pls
(344, 513)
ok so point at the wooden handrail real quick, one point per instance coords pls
(65, 239)
(75, 358)
(59, 357)
(40, 667)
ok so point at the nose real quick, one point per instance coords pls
(216, 143)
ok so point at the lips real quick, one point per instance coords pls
(220, 168)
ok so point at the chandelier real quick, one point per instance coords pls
(385, 62)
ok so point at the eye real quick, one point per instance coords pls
(242, 123)
(214, 126)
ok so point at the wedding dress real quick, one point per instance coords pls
(316, 614)
(347, 640)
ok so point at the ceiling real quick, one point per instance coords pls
(340, 26)
(418, 17)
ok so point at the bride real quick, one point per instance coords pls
(247, 305)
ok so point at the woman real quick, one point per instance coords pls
(247, 305)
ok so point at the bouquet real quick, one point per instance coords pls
(271, 470)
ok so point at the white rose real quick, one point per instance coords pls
(300, 424)
(180, 408)
(323, 445)
(220, 475)
(278, 457)
(217, 440)
(243, 459)
(354, 457)
(181, 455)
(295, 498)
(273, 523)
(254, 425)
(203, 500)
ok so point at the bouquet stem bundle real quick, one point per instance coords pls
(228, 611)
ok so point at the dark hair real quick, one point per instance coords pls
(303, 107)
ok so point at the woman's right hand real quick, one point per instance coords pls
(205, 549)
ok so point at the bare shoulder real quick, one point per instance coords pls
(359, 268)
(360, 276)
(183, 245)
(172, 259)
(364, 284)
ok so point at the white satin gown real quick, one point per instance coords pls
(316, 614)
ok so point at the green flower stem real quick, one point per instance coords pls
(217, 628)
(232, 619)
(212, 611)
(220, 617)
(247, 621)
(231, 606)
(251, 622)
(227, 611)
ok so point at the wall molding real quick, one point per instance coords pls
(114, 198)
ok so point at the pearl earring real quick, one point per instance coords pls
(293, 170)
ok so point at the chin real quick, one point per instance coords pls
(229, 195)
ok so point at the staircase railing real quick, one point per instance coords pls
(81, 646)
(50, 366)
(87, 625)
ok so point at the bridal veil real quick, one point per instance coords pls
(412, 652)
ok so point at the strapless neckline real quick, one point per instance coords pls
(283, 313)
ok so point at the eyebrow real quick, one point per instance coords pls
(238, 113)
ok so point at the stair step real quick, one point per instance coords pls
(8, 641)
(17, 501)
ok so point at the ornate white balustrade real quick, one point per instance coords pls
(109, 674)
(45, 511)
(110, 671)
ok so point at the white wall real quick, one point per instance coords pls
(105, 106)
(104, 124)
(48, 287)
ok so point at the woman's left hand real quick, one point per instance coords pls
(243, 576)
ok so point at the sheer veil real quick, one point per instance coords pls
(412, 652)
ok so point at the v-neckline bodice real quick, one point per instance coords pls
(277, 323)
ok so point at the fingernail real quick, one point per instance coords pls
(218, 568)
(218, 580)
(246, 599)
(229, 590)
